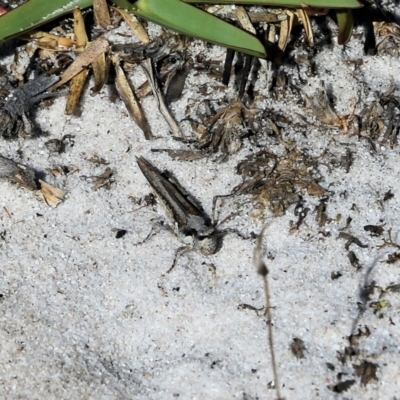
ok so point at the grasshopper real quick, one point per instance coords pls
(189, 217)
(178, 15)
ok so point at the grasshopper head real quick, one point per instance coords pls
(208, 244)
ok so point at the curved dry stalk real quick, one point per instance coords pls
(263, 271)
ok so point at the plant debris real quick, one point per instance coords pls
(273, 180)
(366, 371)
(104, 180)
(14, 109)
(26, 177)
(350, 240)
(343, 386)
(297, 347)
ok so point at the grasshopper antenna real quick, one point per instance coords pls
(214, 206)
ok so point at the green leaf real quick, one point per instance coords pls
(345, 23)
(189, 20)
(286, 3)
(35, 13)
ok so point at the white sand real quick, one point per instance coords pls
(86, 315)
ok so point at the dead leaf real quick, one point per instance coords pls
(79, 29)
(101, 13)
(307, 25)
(83, 61)
(135, 25)
(50, 194)
(100, 68)
(129, 98)
(76, 87)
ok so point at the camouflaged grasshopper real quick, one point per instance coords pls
(180, 16)
(188, 216)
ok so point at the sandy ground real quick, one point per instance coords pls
(86, 315)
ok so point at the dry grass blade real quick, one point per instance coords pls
(83, 61)
(245, 22)
(261, 17)
(101, 14)
(77, 82)
(135, 25)
(285, 30)
(307, 25)
(79, 29)
(49, 42)
(148, 69)
(130, 100)
(75, 91)
(100, 67)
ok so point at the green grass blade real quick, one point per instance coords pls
(35, 13)
(189, 20)
(286, 3)
(345, 23)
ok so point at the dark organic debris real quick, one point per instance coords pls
(106, 179)
(336, 275)
(389, 242)
(388, 195)
(388, 35)
(58, 170)
(355, 337)
(374, 230)
(367, 371)
(55, 146)
(354, 261)
(321, 106)
(26, 177)
(120, 233)
(274, 180)
(225, 128)
(330, 366)
(346, 161)
(381, 120)
(343, 386)
(320, 212)
(59, 145)
(243, 306)
(18, 174)
(297, 347)
(96, 159)
(394, 288)
(15, 108)
(301, 212)
(350, 240)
